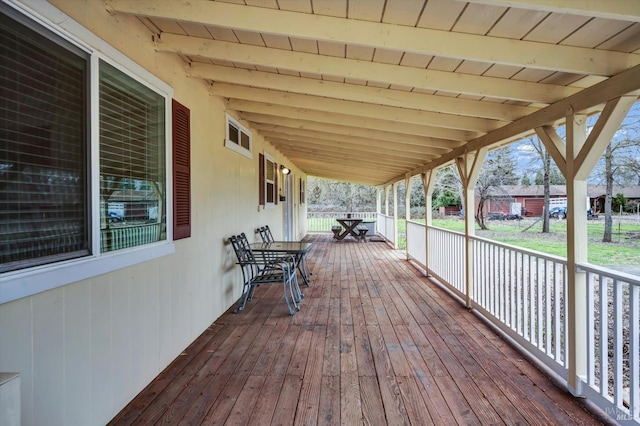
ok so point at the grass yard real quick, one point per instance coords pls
(624, 250)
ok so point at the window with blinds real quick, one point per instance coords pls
(46, 206)
(43, 147)
(132, 162)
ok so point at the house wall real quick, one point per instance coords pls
(84, 350)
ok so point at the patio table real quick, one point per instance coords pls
(298, 249)
(350, 226)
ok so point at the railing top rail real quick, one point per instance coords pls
(609, 273)
(447, 230)
(539, 254)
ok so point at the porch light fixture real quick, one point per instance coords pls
(284, 170)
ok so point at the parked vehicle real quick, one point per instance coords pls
(558, 212)
(561, 213)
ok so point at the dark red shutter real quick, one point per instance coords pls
(261, 182)
(181, 171)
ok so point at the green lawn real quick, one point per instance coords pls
(624, 250)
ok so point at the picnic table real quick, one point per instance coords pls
(349, 226)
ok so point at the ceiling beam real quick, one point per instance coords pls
(349, 120)
(350, 131)
(365, 70)
(352, 92)
(271, 130)
(397, 37)
(626, 10)
(319, 103)
(380, 160)
(345, 148)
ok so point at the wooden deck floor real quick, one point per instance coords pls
(374, 342)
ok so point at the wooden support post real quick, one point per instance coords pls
(469, 166)
(582, 153)
(428, 180)
(407, 210)
(576, 252)
(395, 215)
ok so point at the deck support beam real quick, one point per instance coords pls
(395, 214)
(469, 166)
(428, 183)
(582, 153)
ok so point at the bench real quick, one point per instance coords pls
(362, 232)
(336, 231)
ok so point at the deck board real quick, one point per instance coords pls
(375, 342)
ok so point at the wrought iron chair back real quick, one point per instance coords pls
(265, 234)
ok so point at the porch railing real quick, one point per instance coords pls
(524, 293)
(613, 341)
(323, 221)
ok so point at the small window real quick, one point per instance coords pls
(238, 138)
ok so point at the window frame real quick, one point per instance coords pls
(236, 146)
(29, 281)
(274, 182)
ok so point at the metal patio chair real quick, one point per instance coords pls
(265, 268)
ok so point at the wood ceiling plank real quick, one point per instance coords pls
(612, 9)
(195, 30)
(249, 108)
(249, 37)
(271, 129)
(318, 145)
(441, 14)
(556, 27)
(296, 5)
(271, 4)
(337, 8)
(377, 161)
(402, 115)
(168, 26)
(305, 62)
(304, 45)
(416, 60)
(478, 19)
(462, 45)
(414, 100)
(366, 10)
(516, 23)
(276, 41)
(387, 56)
(403, 12)
(330, 48)
(222, 34)
(350, 131)
(595, 32)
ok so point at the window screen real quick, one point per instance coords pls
(43, 157)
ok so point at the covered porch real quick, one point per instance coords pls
(375, 342)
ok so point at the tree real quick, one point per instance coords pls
(525, 181)
(447, 189)
(543, 158)
(329, 195)
(619, 164)
(498, 169)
